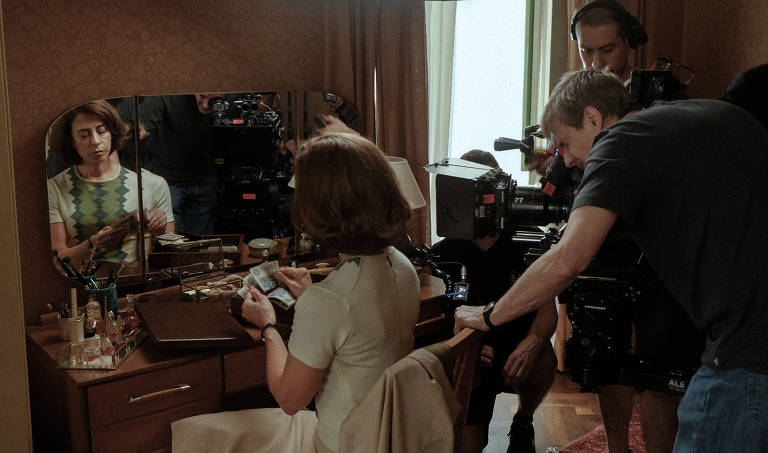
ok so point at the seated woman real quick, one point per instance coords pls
(348, 328)
(90, 203)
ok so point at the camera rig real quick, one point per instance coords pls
(474, 200)
(599, 306)
(246, 139)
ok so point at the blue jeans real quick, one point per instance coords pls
(194, 207)
(724, 411)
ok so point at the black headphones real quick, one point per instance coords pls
(635, 32)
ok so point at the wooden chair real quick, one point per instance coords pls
(426, 388)
(461, 358)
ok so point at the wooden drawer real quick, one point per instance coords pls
(245, 369)
(154, 391)
(150, 433)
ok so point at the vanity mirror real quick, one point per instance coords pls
(212, 164)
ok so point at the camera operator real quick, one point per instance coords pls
(518, 357)
(605, 32)
(705, 241)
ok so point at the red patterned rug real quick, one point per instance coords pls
(596, 442)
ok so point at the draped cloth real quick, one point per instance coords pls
(375, 56)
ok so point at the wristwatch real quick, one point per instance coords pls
(487, 314)
(268, 325)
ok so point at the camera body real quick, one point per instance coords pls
(647, 86)
(475, 200)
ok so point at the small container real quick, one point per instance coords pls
(129, 302)
(106, 297)
(93, 346)
(69, 325)
(93, 309)
(72, 330)
(113, 329)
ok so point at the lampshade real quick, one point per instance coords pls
(407, 182)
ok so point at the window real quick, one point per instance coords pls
(476, 56)
(488, 76)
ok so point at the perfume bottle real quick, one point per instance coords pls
(93, 309)
(112, 329)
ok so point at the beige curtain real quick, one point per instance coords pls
(374, 44)
(440, 28)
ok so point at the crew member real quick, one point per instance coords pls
(518, 356)
(606, 32)
(706, 241)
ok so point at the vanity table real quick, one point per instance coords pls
(130, 409)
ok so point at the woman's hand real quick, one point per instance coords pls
(296, 279)
(108, 237)
(257, 309)
(156, 221)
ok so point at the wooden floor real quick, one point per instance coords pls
(565, 415)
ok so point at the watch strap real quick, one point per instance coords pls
(268, 325)
(487, 314)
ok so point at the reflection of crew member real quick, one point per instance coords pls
(177, 148)
(706, 241)
(88, 197)
(605, 33)
(518, 356)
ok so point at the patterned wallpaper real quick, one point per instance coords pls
(722, 39)
(60, 54)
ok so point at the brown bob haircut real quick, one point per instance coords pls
(479, 156)
(347, 197)
(60, 139)
(577, 90)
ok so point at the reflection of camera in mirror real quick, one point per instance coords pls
(244, 110)
(245, 138)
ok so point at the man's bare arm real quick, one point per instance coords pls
(551, 273)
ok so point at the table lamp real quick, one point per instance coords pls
(407, 182)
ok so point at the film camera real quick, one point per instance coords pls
(246, 139)
(475, 200)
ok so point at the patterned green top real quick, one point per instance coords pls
(86, 206)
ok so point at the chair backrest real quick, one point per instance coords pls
(460, 356)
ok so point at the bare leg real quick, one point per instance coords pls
(616, 409)
(658, 416)
(533, 390)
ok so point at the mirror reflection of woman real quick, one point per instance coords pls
(87, 200)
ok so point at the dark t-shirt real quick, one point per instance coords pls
(686, 179)
(178, 145)
(490, 274)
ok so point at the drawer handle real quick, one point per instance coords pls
(150, 396)
(430, 320)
